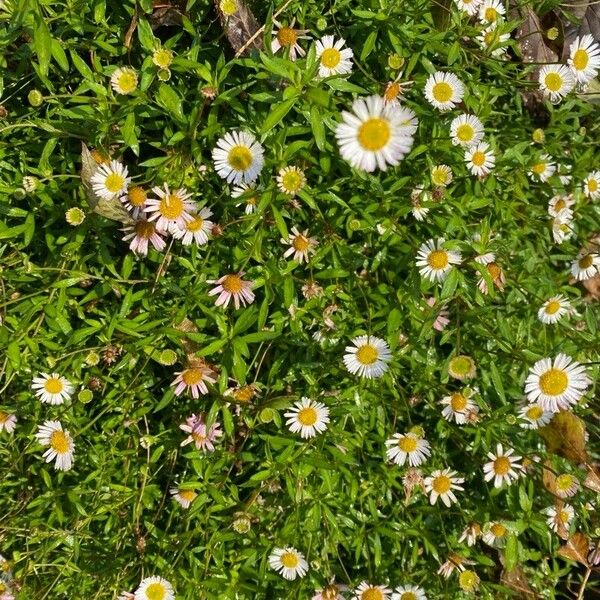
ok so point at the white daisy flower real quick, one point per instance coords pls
(368, 357)
(554, 309)
(124, 80)
(562, 226)
(491, 11)
(232, 286)
(466, 130)
(556, 81)
(288, 562)
(560, 518)
(249, 193)
(333, 58)
(534, 416)
(441, 484)
(394, 90)
(434, 262)
(586, 266)
(7, 421)
(308, 418)
(290, 180)
(495, 534)
(238, 157)
(458, 406)
(369, 591)
(566, 485)
(110, 180)
(154, 588)
(503, 467)
(480, 159)
(556, 384)
(287, 37)
(419, 212)
(409, 592)
(197, 230)
(171, 210)
(60, 444)
(470, 534)
(543, 169)
(300, 245)
(444, 90)
(184, 497)
(52, 389)
(375, 134)
(407, 446)
(441, 175)
(584, 58)
(490, 38)
(135, 200)
(471, 7)
(558, 203)
(141, 234)
(591, 185)
(485, 259)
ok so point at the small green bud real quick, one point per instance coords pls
(552, 33)
(85, 396)
(395, 61)
(538, 136)
(266, 415)
(74, 216)
(164, 74)
(35, 98)
(19, 194)
(92, 358)
(322, 24)
(167, 357)
(355, 225)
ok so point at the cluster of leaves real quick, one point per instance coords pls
(68, 291)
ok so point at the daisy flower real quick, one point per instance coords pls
(434, 262)
(331, 592)
(142, 233)
(584, 58)
(534, 416)
(124, 80)
(110, 180)
(490, 38)
(249, 193)
(457, 406)
(461, 367)
(308, 418)
(480, 159)
(367, 357)
(369, 591)
(290, 180)
(183, 497)
(444, 90)
(375, 134)
(288, 562)
(394, 90)
(468, 581)
(287, 37)
(232, 286)
(554, 309)
(334, 59)
(300, 245)
(466, 130)
(197, 229)
(7, 421)
(154, 588)
(556, 384)
(565, 485)
(497, 276)
(485, 259)
(471, 7)
(441, 175)
(544, 168)
(407, 446)
(556, 81)
(60, 444)
(491, 11)
(495, 534)
(409, 592)
(559, 519)
(470, 534)
(591, 185)
(171, 210)
(194, 378)
(442, 320)
(419, 212)
(559, 203)
(454, 561)
(52, 389)
(202, 436)
(162, 58)
(503, 466)
(586, 266)
(238, 157)
(135, 200)
(440, 484)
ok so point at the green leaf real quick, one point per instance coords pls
(318, 129)
(42, 43)
(368, 45)
(450, 284)
(128, 131)
(277, 114)
(170, 100)
(146, 35)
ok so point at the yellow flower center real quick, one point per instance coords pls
(228, 7)
(99, 158)
(137, 196)
(292, 181)
(468, 580)
(392, 91)
(301, 243)
(465, 132)
(441, 484)
(59, 442)
(114, 182)
(3, 417)
(539, 168)
(187, 495)
(438, 259)
(240, 158)
(195, 224)
(156, 591)
(559, 205)
(491, 14)
(494, 270)
(553, 81)
(287, 36)
(171, 207)
(592, 185)
(501, 465)
(534, 412)
(488, 37)
(442, 91)
(144, 229)
(586, 261)
(244, 394)
(307, 416)
(127, 81)
(198, 437)
(192, 376)
(53, 385)
(440, 175)
(458, 402)
(162, 58)
(371, 593)
(478, 158)
(461, 365)
(367, 354)
(408, 596)
(374, 134)
(564, 482)
(330, 58)
(580, 59)
(554, 382)
(289, 560)
(232, 284)
(552, 307)
(407, 444)
(564, 516)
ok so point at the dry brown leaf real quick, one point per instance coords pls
(516, 580)
(548, 477)
(167, 14)
(576, 548)
(240, 27)
(587, 14)
(565, 436)
(592, 481)
(187, 326)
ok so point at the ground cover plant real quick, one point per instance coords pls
(299, 299)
